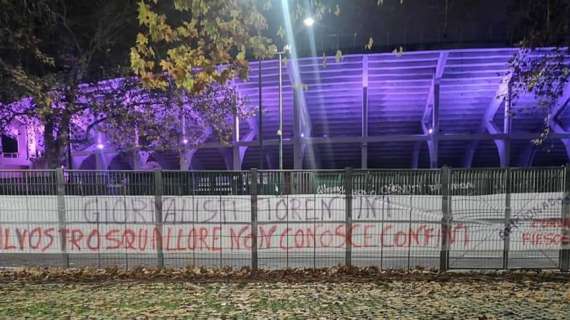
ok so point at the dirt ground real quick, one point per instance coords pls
(324, 294)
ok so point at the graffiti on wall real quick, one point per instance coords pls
(300, 223)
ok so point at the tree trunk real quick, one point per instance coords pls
(54, 143)
(51, 146)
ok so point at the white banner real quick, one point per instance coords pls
(292, 224)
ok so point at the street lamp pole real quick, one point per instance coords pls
(280, 133)
(260, 114)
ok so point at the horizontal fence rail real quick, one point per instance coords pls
(493, 218)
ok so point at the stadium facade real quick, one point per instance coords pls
(422, 109)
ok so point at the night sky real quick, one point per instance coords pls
(418, 24)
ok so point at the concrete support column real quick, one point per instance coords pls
(364, 145)
(507, 125)
(236, 159)
(434, 136)
(297, 137)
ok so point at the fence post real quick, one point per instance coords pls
(564, 255)
(348, 221)
(61, 215)
(158, 217)
(253, 192)
(507, 232)
(445, 220)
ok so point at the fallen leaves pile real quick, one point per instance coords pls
(202, 274)
(336, 293)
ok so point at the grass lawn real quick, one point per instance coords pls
(368, 299)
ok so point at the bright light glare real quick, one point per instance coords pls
(100, 146)
(185, 141)
(430, 131)
(309, 21)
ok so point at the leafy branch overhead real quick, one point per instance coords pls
(162, 120)
(539, 72)
(201, 42)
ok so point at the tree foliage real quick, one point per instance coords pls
(58, 67)
(542, 73)
(50, 51)
(197, 42)
(174, 119)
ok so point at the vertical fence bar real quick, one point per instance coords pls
(564, 255)
(445, 220)
(348, 211)
(253, 191)
(61, 215)
(507, 233)
(158, 217)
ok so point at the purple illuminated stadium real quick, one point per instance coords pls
(421, 109)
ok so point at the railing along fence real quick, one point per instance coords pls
(494, 218)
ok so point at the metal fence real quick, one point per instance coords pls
(496, 218)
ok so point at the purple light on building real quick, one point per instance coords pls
(378, 111)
